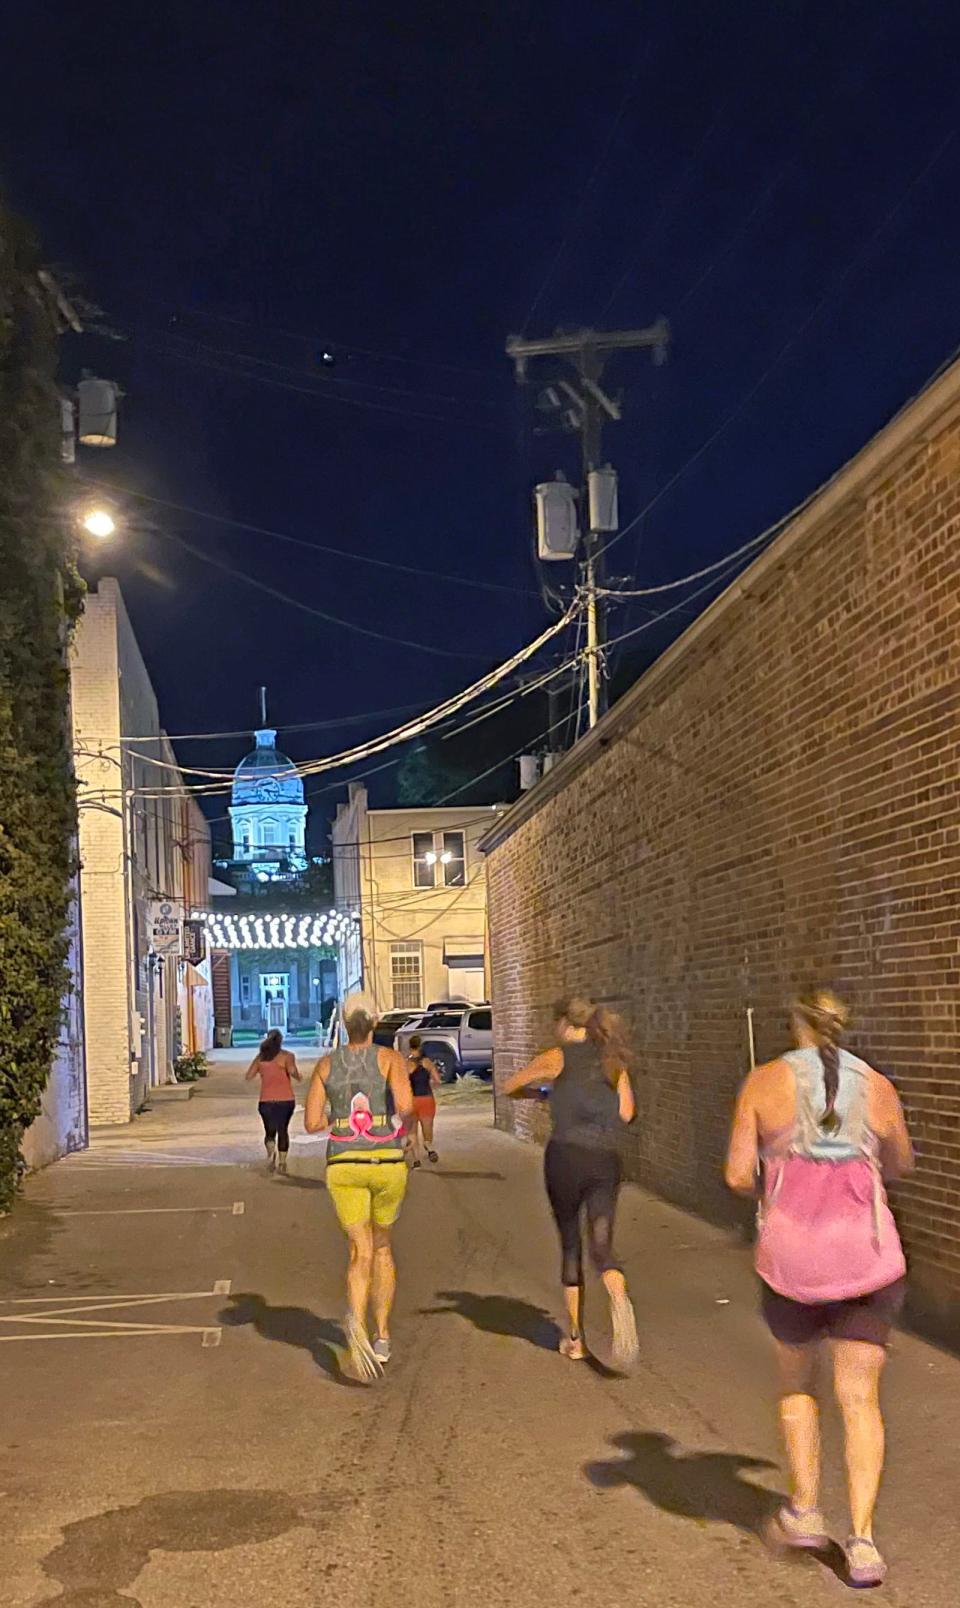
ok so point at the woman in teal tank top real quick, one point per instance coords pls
(366, 1170)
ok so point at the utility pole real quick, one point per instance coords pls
(585, 407)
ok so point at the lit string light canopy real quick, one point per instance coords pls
(313, 929)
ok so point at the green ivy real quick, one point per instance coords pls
(39, 600)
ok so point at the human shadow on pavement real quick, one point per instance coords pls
(499, 1314)
(456, 1172)
(291, 1326)
(707, 1486)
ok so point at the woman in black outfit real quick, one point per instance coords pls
(591, 1098)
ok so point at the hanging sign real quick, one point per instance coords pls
(166, 927)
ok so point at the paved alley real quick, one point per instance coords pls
(177, 1432)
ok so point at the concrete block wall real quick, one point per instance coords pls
(777, 801)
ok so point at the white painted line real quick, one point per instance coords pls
(103, 1325)
(222, 1287)
(238, 1208)
(211, 1337)
(150, 1211)
(96, 1334)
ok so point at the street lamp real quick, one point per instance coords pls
(99, 522)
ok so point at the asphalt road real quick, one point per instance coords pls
(177, 1431)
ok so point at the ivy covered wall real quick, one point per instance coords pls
(39, 598)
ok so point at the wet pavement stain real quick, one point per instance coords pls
(99, 1558)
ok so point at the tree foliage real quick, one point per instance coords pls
(39, 598)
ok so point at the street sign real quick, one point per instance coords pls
(194, 942)
(166, 927)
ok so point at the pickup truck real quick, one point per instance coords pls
(457, 1039)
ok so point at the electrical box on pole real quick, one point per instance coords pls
(97, 402)
(604, 512)
(557, 524)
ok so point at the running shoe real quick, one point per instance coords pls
(366, 1364)
(865, 1566)
(803, 1528)
(626, 1345)
(572, 1346)
(432, 1156)
(282, 1162)
(381, 1350)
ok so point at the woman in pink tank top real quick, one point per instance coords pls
(826, 1130)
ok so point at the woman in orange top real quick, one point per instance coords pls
(275, 1067)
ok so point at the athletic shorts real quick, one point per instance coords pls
(864, 1317)
(367, 1191)
(424, 1107)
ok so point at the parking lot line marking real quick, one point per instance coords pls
(104, 1324)
(146, 1211)
(96, 1334)
(222, 1287)
(211, 1337)
(238, 1208)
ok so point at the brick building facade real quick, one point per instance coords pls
(775, 801)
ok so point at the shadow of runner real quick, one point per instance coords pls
(291, 1326)
(499, 1314)
(706, 1486)
(432, 1171)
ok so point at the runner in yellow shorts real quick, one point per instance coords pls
(366, 1171)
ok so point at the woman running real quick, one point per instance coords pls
(424, 1078)
(591, 1098)
(275, 1067)
(366, 1171)
(828, 1130)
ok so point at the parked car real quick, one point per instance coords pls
(457, 1038)
(389, 1025)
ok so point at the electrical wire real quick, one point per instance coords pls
(838, 283)
(313, 547)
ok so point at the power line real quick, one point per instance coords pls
(309, 608)
(314, 547)
(839, 281)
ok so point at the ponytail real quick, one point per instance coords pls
(605, 1029)
(826, 1017)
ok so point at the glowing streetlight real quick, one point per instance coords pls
(99, 522)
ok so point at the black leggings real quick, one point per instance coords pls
(275, 1115)
(578, 1179)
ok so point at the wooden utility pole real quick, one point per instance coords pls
(587, 352)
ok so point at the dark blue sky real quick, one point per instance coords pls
(401, 186)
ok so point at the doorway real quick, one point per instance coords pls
(274, 997)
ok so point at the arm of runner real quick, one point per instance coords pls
(433, 1070)
(295, 1071)
(315, 1105)
(395, 1068)
(251, 1071)
(743, 1153)
(544, 1068)
(896, 1147)
(626, 1097)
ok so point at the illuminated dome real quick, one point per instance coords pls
(266, 776)
(268, 811)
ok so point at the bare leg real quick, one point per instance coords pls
(800, 1422)
(427, 1127)
(857, 1369)
(414, 1139)
(383, 1285)
(359, 1272)
(573, 1347)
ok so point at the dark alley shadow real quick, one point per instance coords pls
(291, 1326)
(499, 1314)
(707, 1486)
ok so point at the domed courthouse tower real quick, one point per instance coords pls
(268, 813)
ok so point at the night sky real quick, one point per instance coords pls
(243, 187)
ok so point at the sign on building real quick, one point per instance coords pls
(166, 927)
(194, 942)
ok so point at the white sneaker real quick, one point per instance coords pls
(381, 1350)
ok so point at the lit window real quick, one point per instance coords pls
(424, 860)
(269, 832)
(453, 861)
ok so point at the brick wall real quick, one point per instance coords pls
(775, 801)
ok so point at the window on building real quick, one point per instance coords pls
(244, 989)
(245, 838)
(424, 860)
(269, 831)
(406, 976)
(453, 861)
(439, 857)
(291, 839)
